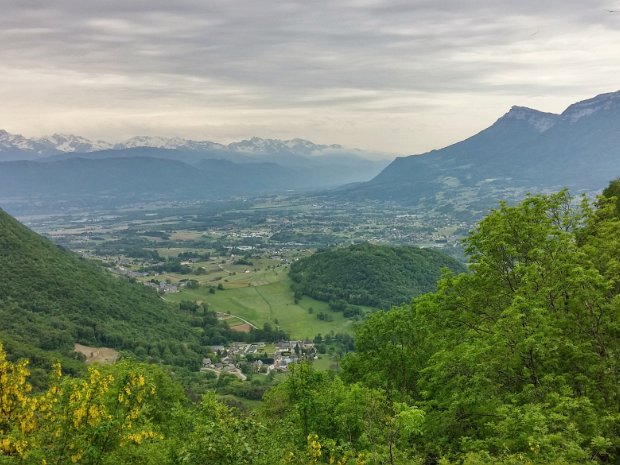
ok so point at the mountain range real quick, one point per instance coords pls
(15, 147)
(525, 150)
(72, 170)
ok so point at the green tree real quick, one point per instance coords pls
(612, 191)
(221, 437)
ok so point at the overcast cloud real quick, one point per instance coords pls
(401, 76)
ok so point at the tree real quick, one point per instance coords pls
(219, 436)
(612, 191)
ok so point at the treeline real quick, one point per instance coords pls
(135, 247)
(334, 343)
(367, 274)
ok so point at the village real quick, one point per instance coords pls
(240, 359)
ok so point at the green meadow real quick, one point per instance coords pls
(264, 296)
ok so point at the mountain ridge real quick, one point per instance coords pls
(525, 150)
(56, 144)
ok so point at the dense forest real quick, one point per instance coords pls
(51, 298)
(374, 275)
(514, 362)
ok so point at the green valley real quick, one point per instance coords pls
(513, 362)
(271, 303)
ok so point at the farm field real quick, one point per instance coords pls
(270, 302)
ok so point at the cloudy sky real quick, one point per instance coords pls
(391, 75)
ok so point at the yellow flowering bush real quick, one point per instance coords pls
(75, 420)
(316, 453)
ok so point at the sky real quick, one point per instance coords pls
(392, 76)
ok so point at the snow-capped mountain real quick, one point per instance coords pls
(10, 141)
(71, 143)
(173, 143)
(302, 147)
(15, 146)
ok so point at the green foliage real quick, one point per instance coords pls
(50, 299)
(171, 265)
(517, 359)
(612, 191)
(221, 437)
(101, 418)
(372, 275)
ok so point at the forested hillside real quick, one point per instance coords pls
(51, 298)
(373, 275)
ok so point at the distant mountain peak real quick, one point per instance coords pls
(539, 120)
(18, 142)
(169, 143)
(523, 151)
(18, 146)
(72, 143)
(586, 108)
(296, 146)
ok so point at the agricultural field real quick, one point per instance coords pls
(266, 297)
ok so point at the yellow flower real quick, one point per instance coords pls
(57, 370)
(5, 444)
(20, 447)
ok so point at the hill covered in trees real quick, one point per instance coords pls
(51, 298)
(373, 275)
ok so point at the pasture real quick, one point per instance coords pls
(265, 297)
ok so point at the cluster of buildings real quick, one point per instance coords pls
(229, 359)
(163, 288)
